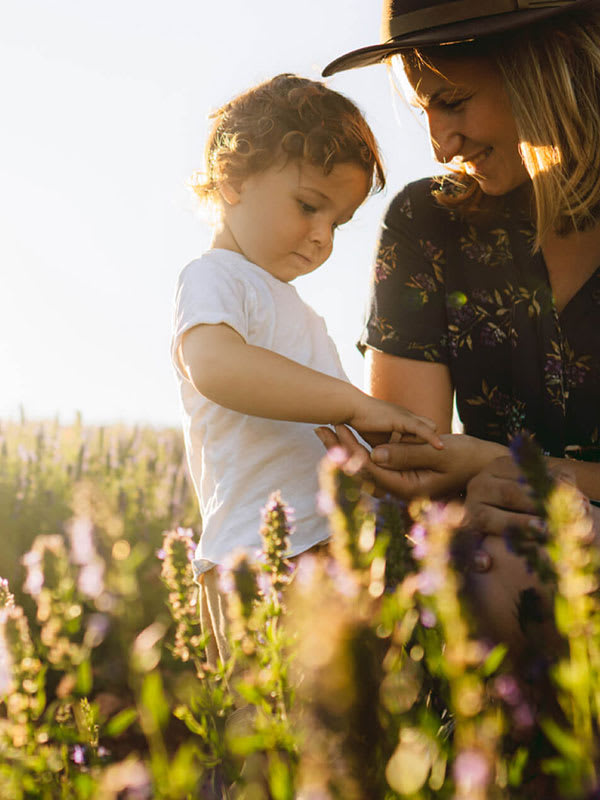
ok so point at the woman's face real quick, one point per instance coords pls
(470, 119)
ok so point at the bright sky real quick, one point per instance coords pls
(104, 108)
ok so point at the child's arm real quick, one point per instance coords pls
(252, 380)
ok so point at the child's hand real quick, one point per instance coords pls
(378, 416)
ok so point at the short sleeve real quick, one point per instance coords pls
(210, 293)
(406, 313)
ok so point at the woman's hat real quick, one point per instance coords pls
(419, 23)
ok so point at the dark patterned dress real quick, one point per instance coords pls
(470, 294)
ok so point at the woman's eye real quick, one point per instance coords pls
(453, 105)
(306, 207)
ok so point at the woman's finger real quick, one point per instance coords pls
(406, 456)
(502, 493)
(494, 521)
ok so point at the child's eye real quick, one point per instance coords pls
(306, 207)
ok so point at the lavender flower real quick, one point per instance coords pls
(471, 771)
(82, 541)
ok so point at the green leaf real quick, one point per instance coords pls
(154, 701)
(185, 715)
(120, 722)
(494, 659)
(516, 766)
(84, 678)
(280, 779)
(564, 742)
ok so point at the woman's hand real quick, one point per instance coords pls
(498, 499)
(410, 469)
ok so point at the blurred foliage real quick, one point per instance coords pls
(354, 673)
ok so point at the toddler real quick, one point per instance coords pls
(287, 162)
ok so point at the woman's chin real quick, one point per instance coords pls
(497, 186)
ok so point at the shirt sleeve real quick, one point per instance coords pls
(210, 294)
(406, 313)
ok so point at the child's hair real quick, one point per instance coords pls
(289, 117)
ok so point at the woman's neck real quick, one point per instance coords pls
(571, 260)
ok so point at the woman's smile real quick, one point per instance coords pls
(471, 123)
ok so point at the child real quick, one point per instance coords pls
(287, 162)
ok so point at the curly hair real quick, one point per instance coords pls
(289, 117)
(552, 76)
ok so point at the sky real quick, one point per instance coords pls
(105, 111)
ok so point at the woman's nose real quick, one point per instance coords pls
(446, 139)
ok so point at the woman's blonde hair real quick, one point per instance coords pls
(286, 117)
(552, 76)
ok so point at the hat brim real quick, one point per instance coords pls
(452, 33)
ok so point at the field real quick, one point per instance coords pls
(352, 675)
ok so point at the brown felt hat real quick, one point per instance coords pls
(420, 23)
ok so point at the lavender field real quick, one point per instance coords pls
(354, 674)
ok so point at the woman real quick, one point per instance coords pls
(487, 283)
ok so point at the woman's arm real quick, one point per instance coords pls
(256, 381)
(423, 387)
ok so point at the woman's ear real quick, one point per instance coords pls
(231, 192)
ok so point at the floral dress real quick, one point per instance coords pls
(469, 293)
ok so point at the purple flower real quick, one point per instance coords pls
(91, 578)
(78, 754)
(428, 618)
(523, 716)
(96, 630)
(82, 542)
(305, 569)
(553, 369)
(490, 336)
(418, 535)
(461, 316)
(471, 770)
(507, 688)
(423, 281)
(429, 582)
(337, 456)
(325, 503)
(35, 577)
(344, 582)
(226, 581)
(264, 583)
(6, 663)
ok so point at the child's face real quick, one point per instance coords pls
(284, 218)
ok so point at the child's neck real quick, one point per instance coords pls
(224, 239)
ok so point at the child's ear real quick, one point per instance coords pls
(231, 192)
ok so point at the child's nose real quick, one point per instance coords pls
(321, 233)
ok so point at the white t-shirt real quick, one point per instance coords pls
(237, 460)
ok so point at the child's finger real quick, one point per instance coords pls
(429, 422)
(425, 431)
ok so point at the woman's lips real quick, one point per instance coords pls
(472, 163)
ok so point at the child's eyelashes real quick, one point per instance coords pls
(306, 207)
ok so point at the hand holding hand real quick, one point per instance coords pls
(410, 469)
(372, 415)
